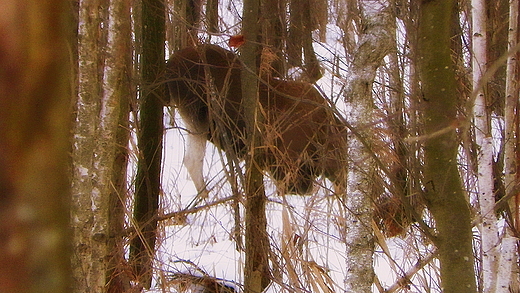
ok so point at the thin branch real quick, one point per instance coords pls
(405, 280)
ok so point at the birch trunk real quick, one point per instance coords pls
(511, 106)
(374, 44)
(488, 221)
(508, 265)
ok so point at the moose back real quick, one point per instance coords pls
(301, 137)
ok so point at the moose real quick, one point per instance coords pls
(301, 136)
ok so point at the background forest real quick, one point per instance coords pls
(427, 92)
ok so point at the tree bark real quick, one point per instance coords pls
(274, 32)
(90, 208)
(445, 197)
(508, 267)
(256, 272)
(482, 117)
(99, 165)
(150, 133)
(35, 96)
(510, 118)
(299, 37)
(117, 93)
(374, 44)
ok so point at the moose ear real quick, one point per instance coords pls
(236, 41)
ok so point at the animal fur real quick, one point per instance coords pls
(301, 138)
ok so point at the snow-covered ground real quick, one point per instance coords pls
(305, 234)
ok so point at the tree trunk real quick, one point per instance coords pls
(150, 133)
(481, 110)
(90, 207)
(511, 120)
(99, 164)
(117, 94)
(374, 44)
(274, 32)
(508, 269)
(35, 93)
(444, 194)
(303, 20)
(256, 272)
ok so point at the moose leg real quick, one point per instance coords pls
(194, 161)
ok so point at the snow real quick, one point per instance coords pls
(206, 241)
(316, 222)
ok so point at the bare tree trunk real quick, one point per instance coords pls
(150, 133)
(508, 269)
(488, 220)
(35, 94)
(118, 91)
(256, 272)
(511, 106)
(99, 164)
(374, 44)
(274, 32)
(445, 197)
(90, 207)
(303, 20)
(212, 19)
(184, 21)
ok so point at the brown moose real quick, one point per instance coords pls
(301, 139)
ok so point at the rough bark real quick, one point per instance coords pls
(374, 44)
(256, 272)
(35, 94)
(445, 197)
(150, 133)
(89, 210)
(99, 164)
(116, 96)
